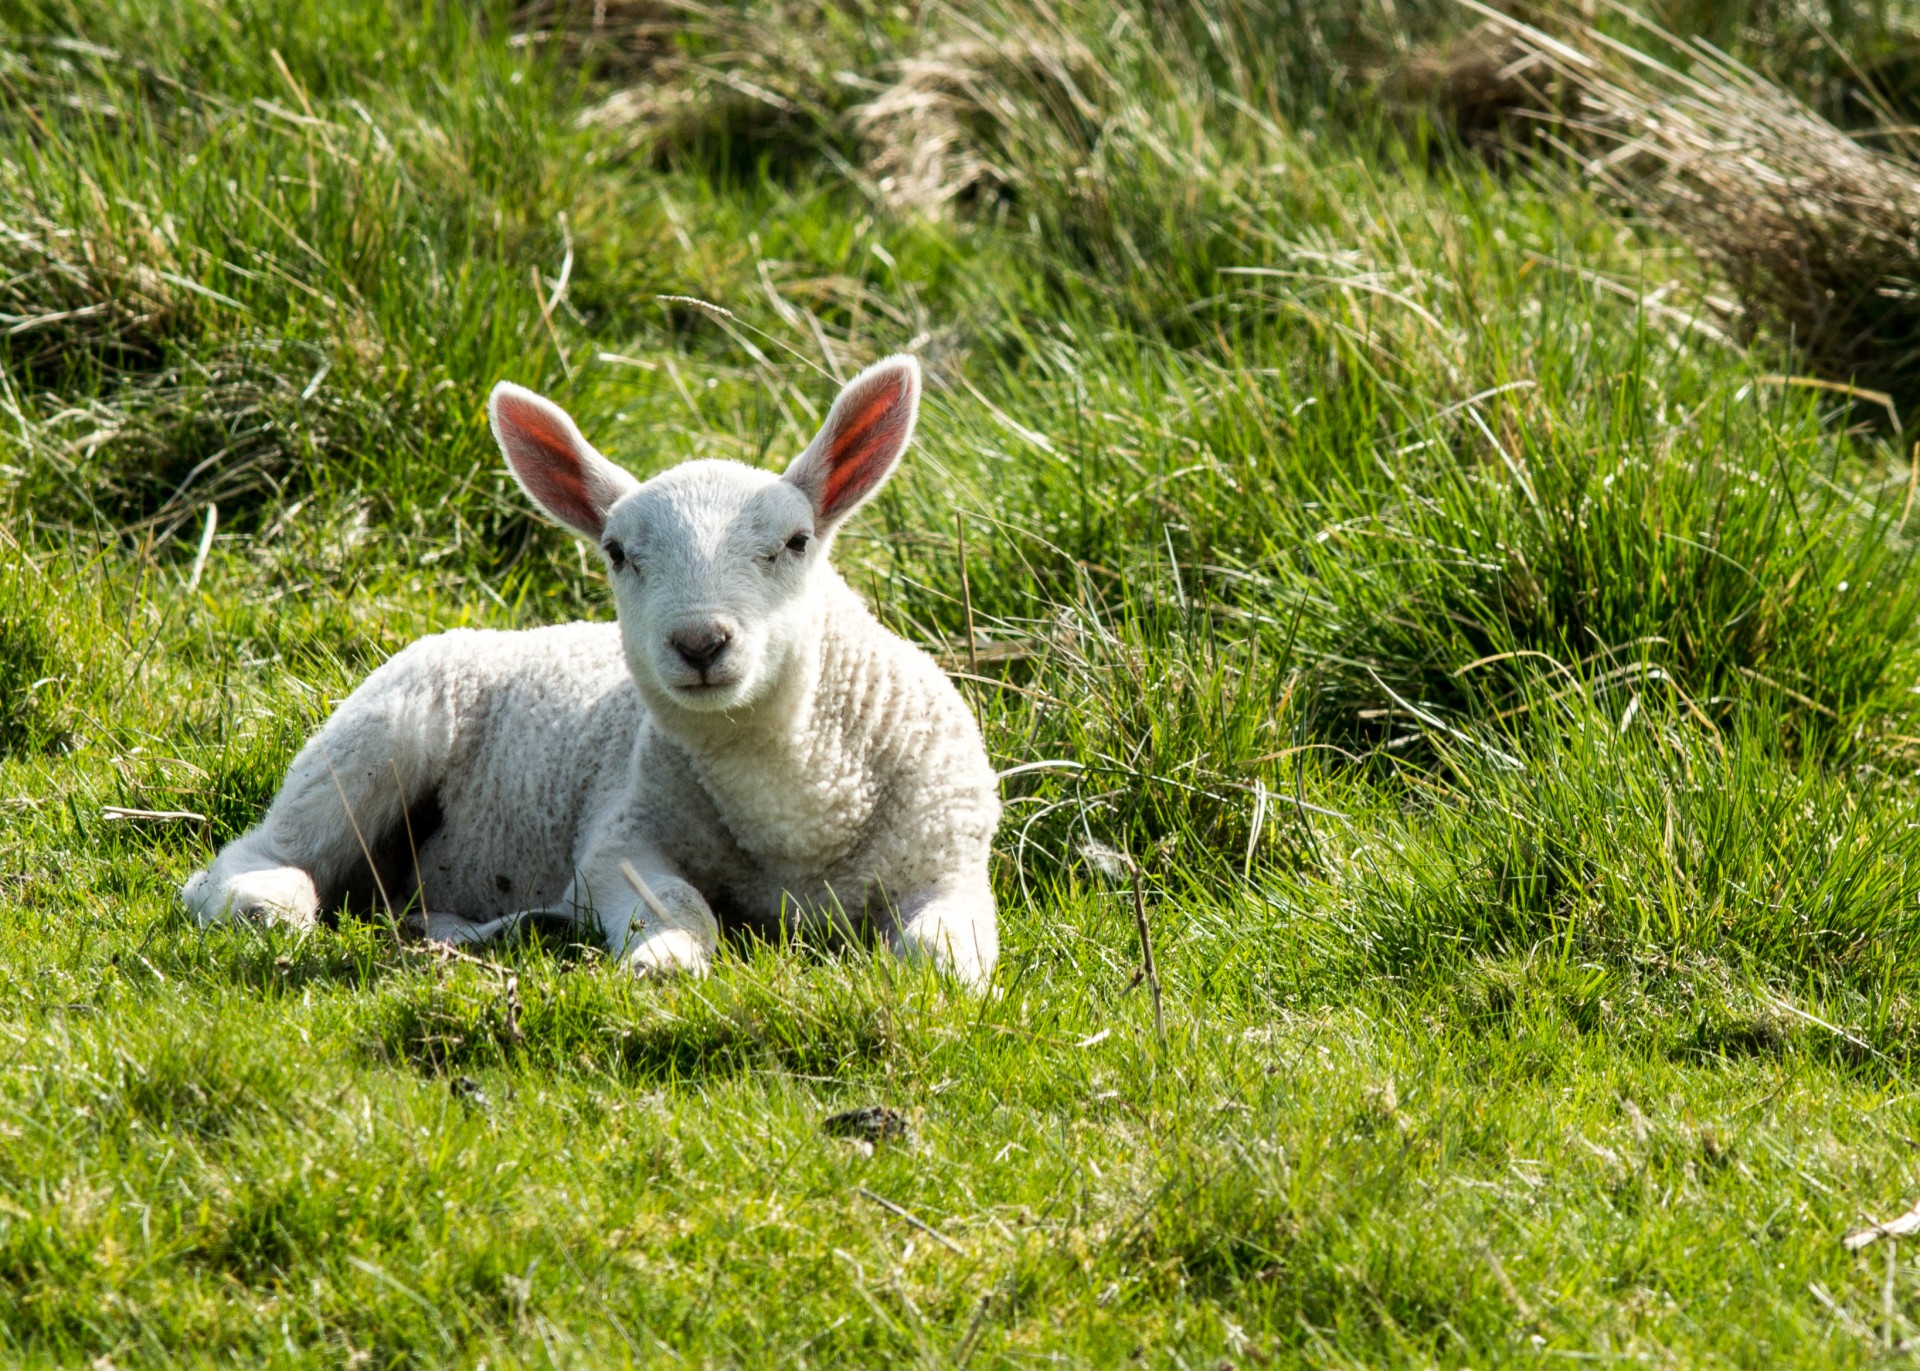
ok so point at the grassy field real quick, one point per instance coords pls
(1508, 687)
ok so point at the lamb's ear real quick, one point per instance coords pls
(861, 442)
(571, 482)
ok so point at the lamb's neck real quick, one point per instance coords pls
(793, 778)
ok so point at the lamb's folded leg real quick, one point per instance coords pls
(953, 926)
(673, 931)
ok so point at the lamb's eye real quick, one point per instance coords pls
(797, 543)
(616, 554)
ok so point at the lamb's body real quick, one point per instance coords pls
(485, 775)
(471, 760)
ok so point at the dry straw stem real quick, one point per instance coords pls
(1112, 862)
(1817, 231)
(1147, 966)
(1904, 1226)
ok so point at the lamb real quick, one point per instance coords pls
(746, 740)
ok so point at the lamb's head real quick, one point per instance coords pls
(713, 563)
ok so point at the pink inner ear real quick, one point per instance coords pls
(865, 443)
(544, 458)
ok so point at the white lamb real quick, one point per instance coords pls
(747, 737)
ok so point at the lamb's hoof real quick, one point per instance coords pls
(670, 952)
(937, 947)
(276, 895)
(970, 973)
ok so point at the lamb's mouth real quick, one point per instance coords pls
(706, 693)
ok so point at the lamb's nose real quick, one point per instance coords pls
(700, 648)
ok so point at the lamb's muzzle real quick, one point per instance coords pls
(701, 646)
(747, 737)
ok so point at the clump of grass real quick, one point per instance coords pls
(1726, 579)
(1485, 87)
(1709, 841)
(615, 39)
(767, 89)
(1812, 226)
(33, 666)
(72, 297)
(209, 313)
(932, 140)
(232, 426)
(1170, 749)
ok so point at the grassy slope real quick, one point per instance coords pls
(1507, 694)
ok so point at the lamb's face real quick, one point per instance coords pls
(712, 561)
(710, 564)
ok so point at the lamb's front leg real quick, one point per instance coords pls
(654, 922)
(953, 926)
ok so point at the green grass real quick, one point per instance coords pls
(1510, 693)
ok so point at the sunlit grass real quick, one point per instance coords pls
(1505, 689)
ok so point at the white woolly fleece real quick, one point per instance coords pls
(747, 739)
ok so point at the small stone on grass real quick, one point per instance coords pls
(869, 1124)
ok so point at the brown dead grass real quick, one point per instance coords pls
(776, 83)
(934, 139)
(1487, 87)
(1817, 230)
(927, 128)
(616, 39)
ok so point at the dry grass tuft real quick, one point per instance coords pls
(1487, 87)
(933, 135)
(707, 105)
(70, 296)
(617, 39)
(932, 140)
(765, 94)
(1817, 231)
(773, 81)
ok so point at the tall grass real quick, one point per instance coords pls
(1503, 684)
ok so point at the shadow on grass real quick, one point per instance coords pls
(273, 962)
(779, 1011)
